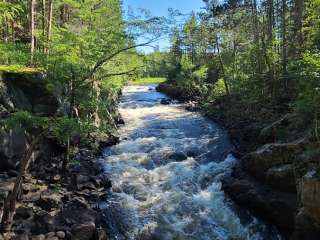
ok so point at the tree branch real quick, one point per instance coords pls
(114, 74)
(102, 61)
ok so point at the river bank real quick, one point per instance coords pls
(276, 177)
(56, 206)
(53, 203)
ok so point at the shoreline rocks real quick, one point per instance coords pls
(63, 209)
(277, 177)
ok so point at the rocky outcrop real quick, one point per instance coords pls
(21, 91)
(55, 207)
(270, 182)
(273, 164)
(27, 91)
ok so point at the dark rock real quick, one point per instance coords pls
(83, 231)
(106, 182)
(309, 191)
(165, 101)
(178, 156)
(112, 140)
(260, 161)
(24, 213)
(100, 234)
(270, 133)
(276, 207)
(282, 178)
(29, 92)
(305, 227)
(44, 223)
(49, 201)
(13, 145)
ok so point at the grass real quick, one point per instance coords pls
(19, 69)
(148, 80)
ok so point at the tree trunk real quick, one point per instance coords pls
(49, 27)
(222, 67)
(284, 38)
(297, 43)
(32, 29)
(44, 24)
(11, 200)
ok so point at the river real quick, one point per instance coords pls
(166, 175)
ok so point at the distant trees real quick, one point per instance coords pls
(260, 50)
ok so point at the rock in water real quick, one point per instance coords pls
(165, 101)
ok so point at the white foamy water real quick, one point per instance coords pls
(167, 172)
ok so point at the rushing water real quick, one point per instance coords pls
(166, 175)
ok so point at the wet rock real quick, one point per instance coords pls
(112, 140)
(165, 101)
(105, 182)
(192, 106)
(83, 231)
(178, 156)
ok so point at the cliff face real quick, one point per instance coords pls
(23, 90)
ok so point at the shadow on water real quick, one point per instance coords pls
(167, 173)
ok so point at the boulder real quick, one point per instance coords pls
(61, 234)
(83, 231)
(178, 156)
(49, 201)
(13, 145)
(309, 192)
(282, 178)
(165, 101)
(28, 91)
(258, 163)
(276, 207)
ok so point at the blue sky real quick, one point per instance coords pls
(160, 8)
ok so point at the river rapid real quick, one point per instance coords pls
(166, 174)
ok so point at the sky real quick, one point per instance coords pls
(160, 8)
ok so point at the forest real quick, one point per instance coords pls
(66, 71)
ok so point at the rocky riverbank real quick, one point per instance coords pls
(60, 206)
(277, 177)
(52, 204)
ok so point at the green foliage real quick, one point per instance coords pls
(148, 80)
(24, 120)
(307, 72)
